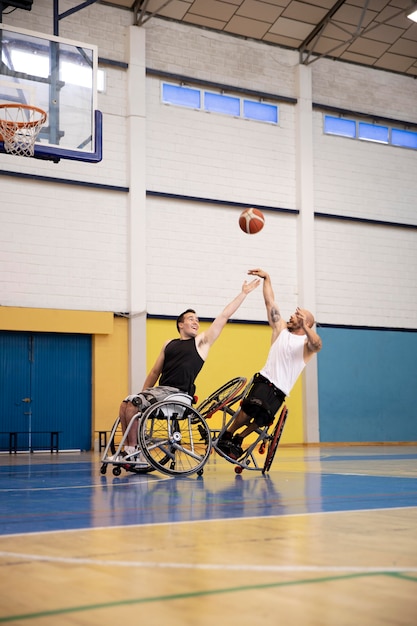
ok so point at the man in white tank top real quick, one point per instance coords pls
(293, 344)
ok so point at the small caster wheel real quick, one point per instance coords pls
(117, 471)
(103, 469)
(238, 469)
(262, 448)
(200, 472)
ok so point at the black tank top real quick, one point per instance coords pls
(181, 365)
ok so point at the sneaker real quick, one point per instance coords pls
(230, 449)
(230, 446)
(134, 454)
(235, 451)
(203, 433)
(224, 439)
(117, 457)
(224, 445)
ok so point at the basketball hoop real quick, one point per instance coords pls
(20, 125)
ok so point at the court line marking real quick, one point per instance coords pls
(357, 569)
(145, 481)
(188, 595)
(205, 521)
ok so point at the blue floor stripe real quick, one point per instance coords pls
(61, 496)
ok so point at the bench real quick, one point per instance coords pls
(13, 437)
(102, 439)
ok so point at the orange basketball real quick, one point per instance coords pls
(251, 221)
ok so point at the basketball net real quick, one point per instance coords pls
(20, 125)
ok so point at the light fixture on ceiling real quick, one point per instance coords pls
(413, 15)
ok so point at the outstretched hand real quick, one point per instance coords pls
(258, 272)
(248, 287)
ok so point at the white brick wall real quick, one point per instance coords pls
(194, 52)
(196, 153)
(197, 256)
(363, 179)
(66, 246)
(362, 89)
(62, 247)
(366, 275)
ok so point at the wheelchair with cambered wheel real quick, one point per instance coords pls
(173, 437)
(266, 438)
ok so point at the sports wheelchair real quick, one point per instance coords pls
(264, 442)
(173, 437)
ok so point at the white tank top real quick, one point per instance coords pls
(285, 360)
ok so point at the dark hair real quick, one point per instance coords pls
(180, 318)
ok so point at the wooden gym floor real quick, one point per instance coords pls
(328, 538)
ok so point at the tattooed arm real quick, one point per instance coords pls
(274, 316)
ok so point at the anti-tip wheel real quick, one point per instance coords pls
(117, 471)
(238, 469)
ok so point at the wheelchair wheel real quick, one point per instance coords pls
(130, 466)
(222, 396)
(274, 441)
(174, 438)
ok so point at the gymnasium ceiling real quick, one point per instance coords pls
(374, 33)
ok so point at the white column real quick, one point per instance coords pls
(306, 239)
(136, 130)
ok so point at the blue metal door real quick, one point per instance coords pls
(45, 385)
(15, 388)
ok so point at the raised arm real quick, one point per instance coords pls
(206, 339)
(274, 316)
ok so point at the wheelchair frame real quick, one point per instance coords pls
(174, 438)
(175, 406)
(265, 440)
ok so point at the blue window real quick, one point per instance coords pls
(373, 132)
(221, 104)
(404, 138)
(339, 126)
(181, 96)
(370, 132)
(260, 111)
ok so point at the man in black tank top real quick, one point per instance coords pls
(182, 363)
(179, 361)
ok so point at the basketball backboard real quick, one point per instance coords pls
(59, 76)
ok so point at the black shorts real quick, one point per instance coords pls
(262, 400)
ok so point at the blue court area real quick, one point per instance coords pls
(44, 492)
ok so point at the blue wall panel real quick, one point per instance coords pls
(367, 385)
(61, 384)
(14, 382)
(54, 373)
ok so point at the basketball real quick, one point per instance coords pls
(251, 221)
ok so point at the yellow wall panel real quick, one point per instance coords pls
(55, 320)
(110, 374)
